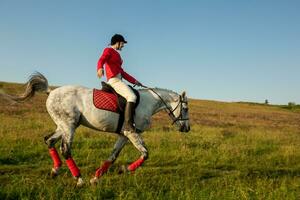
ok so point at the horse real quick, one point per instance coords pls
(71, 106)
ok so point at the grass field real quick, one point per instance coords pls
(234, 151)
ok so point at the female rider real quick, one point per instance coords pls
(114, 74)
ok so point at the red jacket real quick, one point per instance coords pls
(113, 61)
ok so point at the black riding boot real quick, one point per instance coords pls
(129, 111)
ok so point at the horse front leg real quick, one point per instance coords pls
(139, 144)
(122, 140)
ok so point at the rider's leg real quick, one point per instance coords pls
(123, 89)
(128, 117)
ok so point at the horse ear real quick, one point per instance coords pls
(183, 94)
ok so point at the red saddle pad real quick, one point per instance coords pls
(105, 101)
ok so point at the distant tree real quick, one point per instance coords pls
(291, 104)
(266, 102)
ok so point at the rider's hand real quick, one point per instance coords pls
(100, 73)
(139, 84)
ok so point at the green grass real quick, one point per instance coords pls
(234, 151)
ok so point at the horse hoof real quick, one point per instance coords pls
(94, 181)
(54, 172)
(123, 169)
(80, 182)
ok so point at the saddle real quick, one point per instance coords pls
(108, 99)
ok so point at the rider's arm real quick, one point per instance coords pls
(103, 59)
(128, 77)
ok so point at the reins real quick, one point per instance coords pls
(168, 109)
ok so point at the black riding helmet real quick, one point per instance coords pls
(117, 38)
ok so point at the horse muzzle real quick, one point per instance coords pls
(184, 129)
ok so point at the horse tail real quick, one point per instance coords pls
(37, 83)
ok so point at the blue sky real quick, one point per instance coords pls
(217, 50)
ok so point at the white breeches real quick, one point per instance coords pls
(122, 88)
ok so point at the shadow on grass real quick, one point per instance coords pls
(20, 158)
(8, 161)
(271, 173)
(180, 171)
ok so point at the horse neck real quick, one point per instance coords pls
(155, 103)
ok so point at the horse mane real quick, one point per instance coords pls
(156, 88)
(159, 89)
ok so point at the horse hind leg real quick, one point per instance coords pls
(65, 132)
(66, 115)
(66, 143)
(51, 140)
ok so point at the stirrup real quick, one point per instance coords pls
(129, 128)
(129, 131)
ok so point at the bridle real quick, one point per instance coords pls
(169, 110)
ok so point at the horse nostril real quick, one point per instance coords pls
(187, 129)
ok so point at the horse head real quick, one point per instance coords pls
(179, 112)
(175, 104)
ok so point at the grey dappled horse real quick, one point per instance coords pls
(71, 106)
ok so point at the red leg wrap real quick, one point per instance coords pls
(55, 157)
(136, 164)
(103, 169)
(72, 167)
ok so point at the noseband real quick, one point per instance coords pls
(180, 117)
